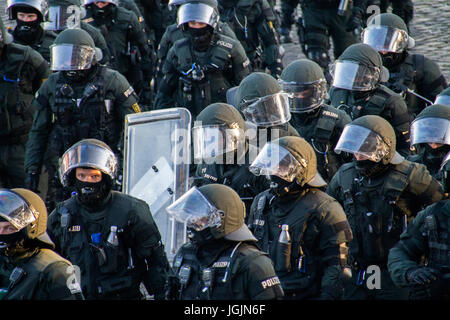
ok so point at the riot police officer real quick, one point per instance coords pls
(29, 268)
(380, 192)
(417, 78)
(253, 23)
(111, 236)
(131, 52)
(29, 14)
(427, 236)
(82, 99)
(221, 152)
(430, 134)
(23, 70)
(316, 122)
(304, 231)
(357, 88)
(265, 108)
(443, 97)
(221, 261)
(200, 68)
(174, 32)
(63, 14)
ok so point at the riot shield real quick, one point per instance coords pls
(156, 166)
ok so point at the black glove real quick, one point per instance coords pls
(355, 21)
(422, 275)
(32, 181)
(276, 69)
(172, 288)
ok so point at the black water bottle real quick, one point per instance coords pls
(283, 250)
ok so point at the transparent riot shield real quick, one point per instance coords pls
(156, 166)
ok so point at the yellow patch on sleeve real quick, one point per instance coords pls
(136, 108)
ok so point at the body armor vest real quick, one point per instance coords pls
(376, 211)
(16, 94)
(204, 83)
(89, 115)
(302, 275)
(106, 270)
(213, 282)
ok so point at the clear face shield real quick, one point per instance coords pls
(16, 210)
(67, 57)
(353, 76)
(215, 140)
(363, 142)
(274, 160)
(430, 130)
(384, 38)
(306, 96)
(198, 12)
(90, 156)
(63, 17)
(194, 209)
(443, 99)
(268, 111)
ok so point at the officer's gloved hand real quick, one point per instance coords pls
(276, 69)
(421, 275)
(355, 21)
(172, 287)
(32, 181)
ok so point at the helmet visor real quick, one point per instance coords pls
(16, 210)
(443, 99)
(353, 76)
(62, 17)
(384, 38)
(66, 57)
(362, 141)
(305, 96)
(268, 111)
(198, 12)
(194, 209)
(445, 162)
(215, 140)
(90, 156)
(430, 130)
(274, 160)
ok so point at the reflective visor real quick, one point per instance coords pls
(443, 99)
(90, 156)
(274, 160)
(269, 110)
(215, 140)
(16, 210)
(194, 209)
(353, 76)
(198, 12)
(445, 161)
(362, 141)
(430, 130)
(305, 96)
(66, 57)
(62, 17)
(384, 38)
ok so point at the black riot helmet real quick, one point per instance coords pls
(74, 50)
(305, 81)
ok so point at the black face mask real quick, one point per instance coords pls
(434, 157)
(92, 195)
(28, 32)
(201, 38)
(280, 187)
(369, 168)
(9, 241)
(102, 15)
(77, 75)
(200, 237)
(392, 59)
